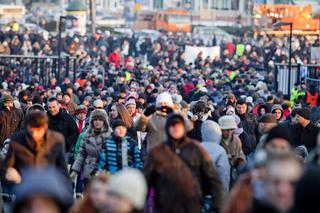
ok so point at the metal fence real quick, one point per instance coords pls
(308, 73)
(39, 68)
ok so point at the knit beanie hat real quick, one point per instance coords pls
(129, 184)
(117, 123)
(164, 98)
(130, 102)
(304, 112)
(98, 104)
(227, 122)
(279, 132)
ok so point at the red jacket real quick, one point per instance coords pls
(114, 58)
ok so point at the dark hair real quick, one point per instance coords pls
(241, 102)
(51, 99)
(67, 94)
(36, 119)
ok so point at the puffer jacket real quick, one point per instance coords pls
(91, 145)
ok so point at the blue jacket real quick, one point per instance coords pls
(119, 153)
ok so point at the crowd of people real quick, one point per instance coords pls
(140, 130)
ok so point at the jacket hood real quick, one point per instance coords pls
(175, 118)
(211, 132)
(99, 113)
(277, 107)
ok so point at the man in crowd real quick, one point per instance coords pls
(62, 122)
(10, 118)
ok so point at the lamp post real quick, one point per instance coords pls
(279, 24)
(61, 18)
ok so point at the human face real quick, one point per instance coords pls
(177, 131)
(278, 114)
(227, 133)
(278, 145)
(114, 113)
(131, 109)
(98, 123)
(82, 116)
(262, 111)
(37, 133)
(98, 194)
(242, 109)
(66, 99)
(120, 131)
(9, 105)
(281, 178)
(53, 107)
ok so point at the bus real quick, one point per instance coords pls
(173, 20)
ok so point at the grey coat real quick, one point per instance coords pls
(90, 149)
(211, 142)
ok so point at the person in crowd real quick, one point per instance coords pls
(182, 172)
(265, 124)
(230, 142)
(278, 112)
(62, 122)
(211, 139)
(119, 111)
(126, 192)
(119, 150)
(282, 171)
(279, 139)
(91, 145)
(304, 132)
(131, 106)
(80, 118)
(248, 120)
(153, 121)
(43, 190)
(36, 146)
(95, 196)
(70, 106)
(10, 118)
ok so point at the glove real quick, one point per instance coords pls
(13, 175)
(73, 176)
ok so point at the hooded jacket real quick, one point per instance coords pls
(159, 169)
(91, 145)
(278, 107)
(211, 137)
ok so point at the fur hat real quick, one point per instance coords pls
(227, 122)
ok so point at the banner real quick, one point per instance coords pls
(191, 53)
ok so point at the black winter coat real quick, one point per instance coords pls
(10, 122)
(22, 152)
(65, 124)
(305, 136)
(250, 125)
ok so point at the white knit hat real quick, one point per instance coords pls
(164, 98)
(228, 122)
(130, 102)
(129, 184)
(98, 103)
